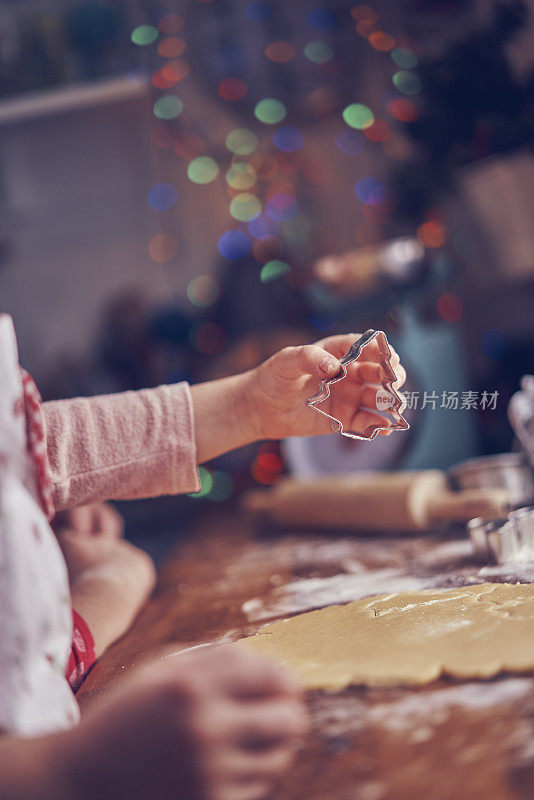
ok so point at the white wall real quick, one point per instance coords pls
(74, 216)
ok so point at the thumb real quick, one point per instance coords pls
(309, 359)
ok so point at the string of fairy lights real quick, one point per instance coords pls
(261, 178)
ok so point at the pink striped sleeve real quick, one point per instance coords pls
(121, 446)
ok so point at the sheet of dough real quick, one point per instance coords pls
(405, 639)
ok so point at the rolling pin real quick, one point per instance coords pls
(401, 501)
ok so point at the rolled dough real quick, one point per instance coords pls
(409, 638)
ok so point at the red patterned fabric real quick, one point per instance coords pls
(37, 442)
(82, 655)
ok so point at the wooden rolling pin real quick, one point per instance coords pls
(401, 501)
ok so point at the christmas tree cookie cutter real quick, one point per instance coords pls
(391, 402)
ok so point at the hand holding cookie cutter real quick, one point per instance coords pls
(398, 405)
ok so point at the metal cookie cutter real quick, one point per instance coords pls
(505, 540)
(395, 408)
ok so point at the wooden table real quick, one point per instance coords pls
(450, 740)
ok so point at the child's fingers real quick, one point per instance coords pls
(372, 372)
(341, 344)
(106, 520)
(347, 397)
(310, 359)
(364, 419)
(260, 726)
(261, 764)
(245, 675)
(241, 789)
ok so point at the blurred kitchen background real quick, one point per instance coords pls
(188, 185)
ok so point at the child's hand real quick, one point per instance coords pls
(94, 519)
(219, 724)
(283, 382)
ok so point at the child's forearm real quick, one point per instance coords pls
(110, 594)
(141, 444)
(224, 415)
(121, 446)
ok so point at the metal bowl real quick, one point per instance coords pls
(505, 471)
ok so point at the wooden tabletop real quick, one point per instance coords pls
(462, 740)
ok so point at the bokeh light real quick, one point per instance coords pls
(172, 47)
(319, 52)
(322, 18)
(379, 131)
(202, 170)
(207, 337)
(203, 291)
(280, 52)
(272, 269)
(403, 58)
(288, 139)
(168, 107)
(163, 247)
(241, 141)
(144, 35)
(431, 234)
(234, 245)
(232, 89)
(241, 176)
(366, 27)
(175, 70)
(403, 109)
(264, 165)
(222, 486)
(171, 23)
(358, 116)
(162, 196)
(450, 308)
(282, 207)
(160, 81)
(381, 41)
(266, 468)
(407, 82)
(206, 483)
(270, 111)
(244, 207)
(263, 227)
(369, 190)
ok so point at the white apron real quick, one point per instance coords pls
(35, 609)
